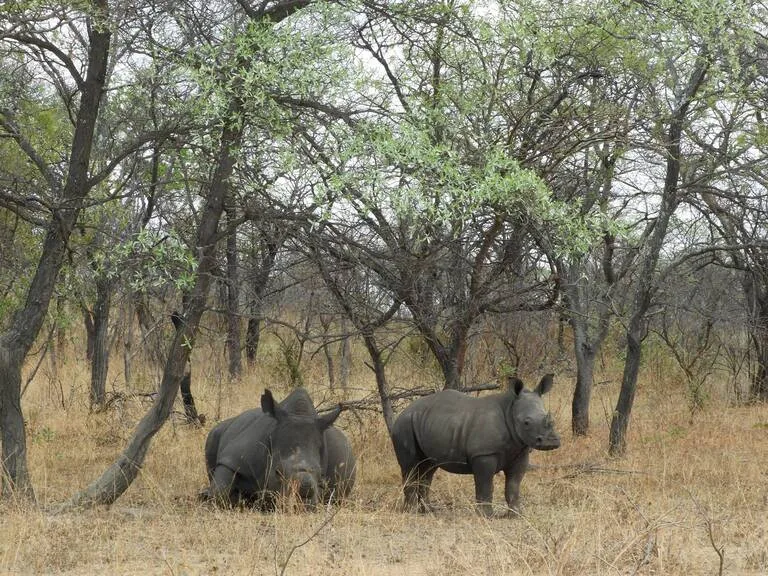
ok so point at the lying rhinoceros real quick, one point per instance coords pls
(467, 435)
(262, 452)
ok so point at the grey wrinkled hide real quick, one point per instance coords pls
(467, 435)
(262, 452)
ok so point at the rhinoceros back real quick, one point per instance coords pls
(449, 428)
(243, 445)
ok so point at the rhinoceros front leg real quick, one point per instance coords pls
(483, 469)
(513, 477)
(222, 480)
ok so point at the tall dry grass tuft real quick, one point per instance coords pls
(690, 489)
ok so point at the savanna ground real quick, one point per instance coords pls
(690, 486)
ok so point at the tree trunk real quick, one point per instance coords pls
(620, 422)
(100, 357)
(585, 365)
(451, 361)
(381, 380)
(151, 336)
(90, 333)
(617, 442)
(190, 410)
(758, 389)
(128, 345)
(119, 476)
(13, 471)
(345, 361)
(330, 366)
(757, 306)
(233, 298)
(16, 342)
(450, 357)
(252, 335)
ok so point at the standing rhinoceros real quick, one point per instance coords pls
(479, 436)
(262, 452)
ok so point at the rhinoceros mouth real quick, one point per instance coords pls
(548, 444)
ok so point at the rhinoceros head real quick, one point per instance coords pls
(296, 444)
(533, 424)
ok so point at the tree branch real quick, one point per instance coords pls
(55, 50)
(8, 121)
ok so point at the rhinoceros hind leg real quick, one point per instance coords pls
(416, 483)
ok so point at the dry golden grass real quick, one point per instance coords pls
(648, 513)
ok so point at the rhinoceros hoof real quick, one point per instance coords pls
(514, 512)
(204, 495)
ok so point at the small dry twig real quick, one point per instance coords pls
(709, 523)
(648, 550)
(307, 540)
(373, 402)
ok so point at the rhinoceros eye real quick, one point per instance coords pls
(527, 421)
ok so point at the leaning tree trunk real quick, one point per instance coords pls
(617, 441)
(620, 421)
(119, 476)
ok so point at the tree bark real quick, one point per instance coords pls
(16, 342)
(451, 360)
(188, 400)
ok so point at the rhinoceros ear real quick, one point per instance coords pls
(326, 420)
(545, 385)
(515, 384)
(268, 403)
